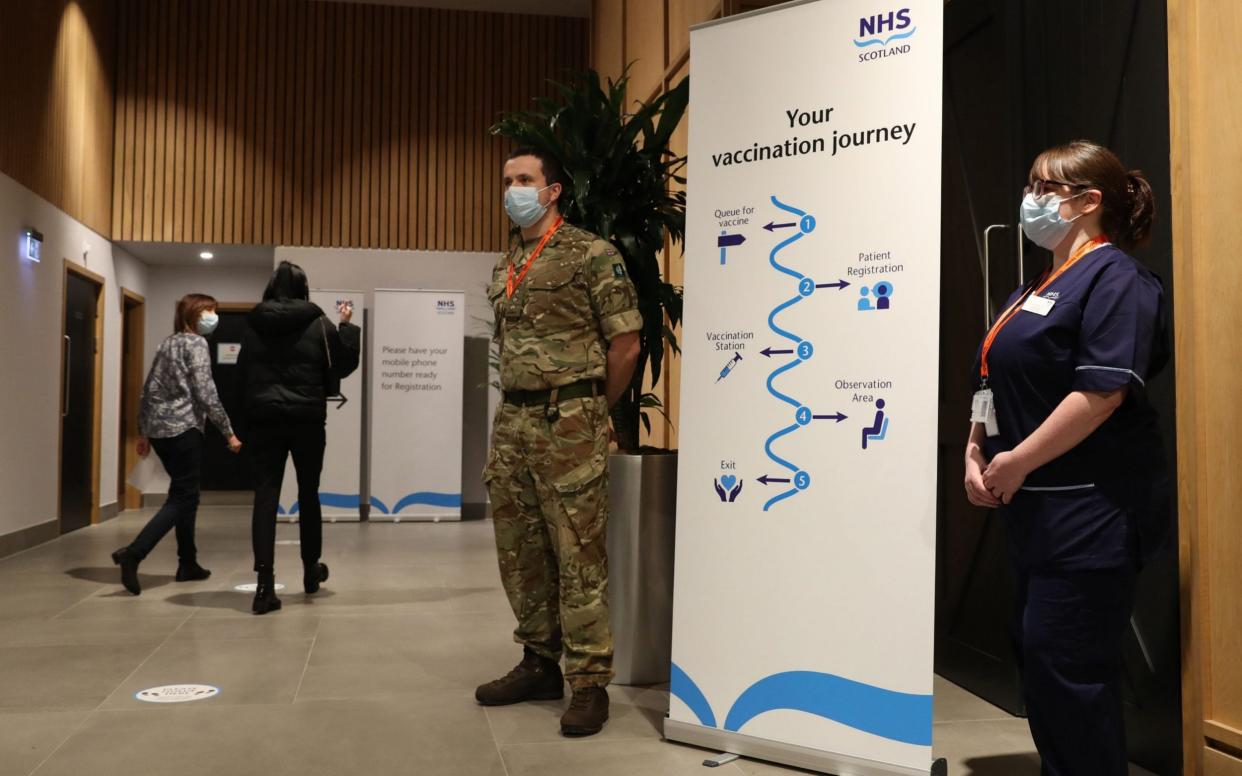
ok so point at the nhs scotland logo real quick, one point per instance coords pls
(878, 31)
(446, 306)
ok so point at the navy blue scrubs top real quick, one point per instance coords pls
(1105, 503)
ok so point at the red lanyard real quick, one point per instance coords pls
(1086, 248)
(511, 286)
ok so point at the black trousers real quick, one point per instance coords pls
(182, 457)
(1069, 627)
(270, 447)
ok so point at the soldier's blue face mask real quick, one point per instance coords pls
(523, 206)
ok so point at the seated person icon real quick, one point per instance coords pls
(879, 429)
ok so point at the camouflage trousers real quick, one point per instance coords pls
(548, 482)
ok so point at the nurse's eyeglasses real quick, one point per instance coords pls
(1040, 186)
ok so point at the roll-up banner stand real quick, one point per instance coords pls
(340, 490)
(417, 344)
(804, 595)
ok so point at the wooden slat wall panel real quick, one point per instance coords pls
(326, 124)
(56, 100)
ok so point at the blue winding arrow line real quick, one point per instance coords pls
(772, 319)
(777, 393)
(801, 214)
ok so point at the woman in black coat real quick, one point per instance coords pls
(291, 360)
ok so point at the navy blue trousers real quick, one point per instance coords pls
(1069, 626)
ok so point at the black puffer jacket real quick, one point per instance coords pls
(283, 364)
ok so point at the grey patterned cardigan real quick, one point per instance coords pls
(179, 393)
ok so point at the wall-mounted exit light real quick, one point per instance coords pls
(32, 245)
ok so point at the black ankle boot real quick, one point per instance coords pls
(265, 599)
(312, 575)
(128, 561)
(190, 571)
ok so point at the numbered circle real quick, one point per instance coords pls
(802, 480)
(805, 350)
(803, 415)
(807, 224)
(806, 286)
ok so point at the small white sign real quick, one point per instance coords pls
(251, 587)
(177, 693)
(227, 352)
(1038, 305)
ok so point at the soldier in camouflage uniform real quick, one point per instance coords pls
(567, 326)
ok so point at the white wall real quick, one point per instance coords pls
(367, 270)
(31, 301)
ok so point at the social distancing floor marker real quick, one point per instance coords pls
(251, 587)
(177, 693)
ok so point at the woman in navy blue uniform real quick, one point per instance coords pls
(1064, 441)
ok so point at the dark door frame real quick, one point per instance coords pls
(97, 415)
(133, 339)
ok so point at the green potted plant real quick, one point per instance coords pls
(622, 173)
(617, 158)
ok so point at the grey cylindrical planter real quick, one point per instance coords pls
(641, 531)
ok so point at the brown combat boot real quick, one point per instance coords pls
(534, 679)
(588, 711)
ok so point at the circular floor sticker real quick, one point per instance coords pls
(177, 693)
(289, 541)
(250, 587)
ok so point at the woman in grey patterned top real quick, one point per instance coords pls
(177, 399)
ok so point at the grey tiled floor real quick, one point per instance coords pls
(373, 676)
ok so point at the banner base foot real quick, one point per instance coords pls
(781, 753)
(724, 758)
(940, 767)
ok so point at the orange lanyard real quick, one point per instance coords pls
(510, 285)
(1086, 248)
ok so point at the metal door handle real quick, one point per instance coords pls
(64, 412)
(987, 274)
(1021, 257)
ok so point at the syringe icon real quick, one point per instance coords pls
(728, 367)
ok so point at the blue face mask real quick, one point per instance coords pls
(523, 206)
(1041, 219)
(207, 323)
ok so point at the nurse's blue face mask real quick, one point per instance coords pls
(1041, 219)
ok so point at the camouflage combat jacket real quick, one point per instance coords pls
(576, 297)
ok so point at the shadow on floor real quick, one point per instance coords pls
(238, 601)
(1001, 765)
(111, 575)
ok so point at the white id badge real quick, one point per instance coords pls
(1038, 305)
(983, 410)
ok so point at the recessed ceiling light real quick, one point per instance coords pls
(206, 255)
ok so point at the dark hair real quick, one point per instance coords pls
(1129, 207)
(553, 172)
(189, 308)
(288, 282)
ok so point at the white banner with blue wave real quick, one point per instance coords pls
(804, 594)
(417, 358)
(340, 489)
